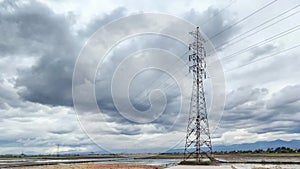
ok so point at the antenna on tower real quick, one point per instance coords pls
(198, 142)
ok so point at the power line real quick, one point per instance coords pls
(280, 52)
(141, 93)
(283, 51)
(230, 44)
(170, 85)
(227, 42)
(279, 35)
(291, 30)
(165, 82)
(243, 19)
(256, 11)
(282, 34)
(161, 85)
(268, 39)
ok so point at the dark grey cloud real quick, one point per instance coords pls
(270, 71)
(49, 39)
(262, 50)
(249, 107)
(243, 95)
(285, 96)
(139, 92)
(30, 29)
(35, 30)
(129, 130)
(259, 52)
(48, 36)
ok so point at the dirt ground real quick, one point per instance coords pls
(124, 166)
(92, 166)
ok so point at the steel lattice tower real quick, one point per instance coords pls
(198, 142)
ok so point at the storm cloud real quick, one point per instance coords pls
(40, 43)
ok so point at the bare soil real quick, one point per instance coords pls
(92, 166)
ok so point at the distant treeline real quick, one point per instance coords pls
(278, 150)
(269, 150)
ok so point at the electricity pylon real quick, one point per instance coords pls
(198, 142)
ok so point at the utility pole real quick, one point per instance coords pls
(198, 142)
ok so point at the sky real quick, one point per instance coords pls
(256, 43)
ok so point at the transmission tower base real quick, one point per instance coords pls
(202, 162)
